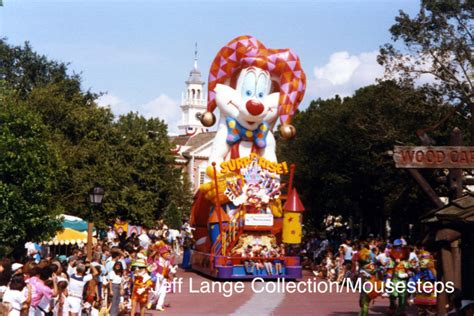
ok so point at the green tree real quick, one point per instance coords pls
(342, 153)
(436, 42)
(172, 216)
(78, 129)
(29, 172)
(181, 193)
(144, 181)
(129, 156)
(81, 131)
(23, 69)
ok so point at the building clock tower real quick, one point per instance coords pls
(193, 102)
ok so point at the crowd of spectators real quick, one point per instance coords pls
(115, 278)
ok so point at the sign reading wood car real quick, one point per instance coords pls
(434, 157)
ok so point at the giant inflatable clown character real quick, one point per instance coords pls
(252, 86)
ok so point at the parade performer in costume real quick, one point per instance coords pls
(162, 269)
(398, 273)
(425, 300)
(142, 285)
(368, 272)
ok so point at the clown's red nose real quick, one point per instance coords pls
(254, 107)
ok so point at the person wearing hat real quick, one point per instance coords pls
(17, 268)
(467, 307)
(163, 269)
(424, 299)
(368, 272)
(398, 272)
(142, 285)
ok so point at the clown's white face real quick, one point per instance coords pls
(251, 102)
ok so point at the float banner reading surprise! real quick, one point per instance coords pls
(434, 156)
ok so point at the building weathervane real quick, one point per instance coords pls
(195, 55)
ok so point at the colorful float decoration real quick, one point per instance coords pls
(245, 216)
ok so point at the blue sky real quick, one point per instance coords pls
(141, 52)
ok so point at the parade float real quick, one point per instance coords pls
(247, 221)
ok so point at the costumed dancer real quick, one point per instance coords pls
(426, 300)
(398, 273)
(162, 268)
(368, 273)
(142, 285)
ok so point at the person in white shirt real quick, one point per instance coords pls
(144, 240)
(116, 256)
(384, 258)
(111, 235)
(115, 282)
(17, 297)
(76, 287)
(61, 307)
(413, 257)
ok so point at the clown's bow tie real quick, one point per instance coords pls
(235, 133)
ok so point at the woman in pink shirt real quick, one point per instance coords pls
(42, 294)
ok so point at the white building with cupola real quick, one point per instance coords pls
(193, 145)
(193, 103)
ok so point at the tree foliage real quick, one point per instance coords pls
(29, 171)
(22, 69)
(147, 182)
(172, 216)
(438, 42)
(342, 153)
(129, 156)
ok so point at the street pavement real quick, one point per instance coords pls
(185, 302)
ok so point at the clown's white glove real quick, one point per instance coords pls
(173, 269)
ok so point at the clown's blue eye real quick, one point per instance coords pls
(262, 87)
(248, 85)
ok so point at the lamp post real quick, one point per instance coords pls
(96, 194)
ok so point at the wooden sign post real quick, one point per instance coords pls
(455, 158)
(437, 157)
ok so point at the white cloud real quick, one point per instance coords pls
(162, 107)
(343, 74)
(117, 105)
(340, 68)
